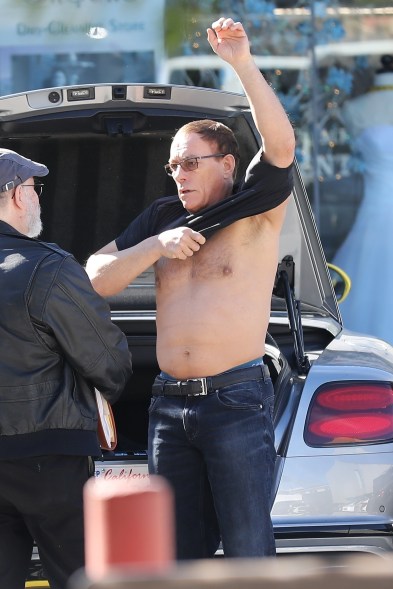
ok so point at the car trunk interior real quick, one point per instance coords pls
(103, 170)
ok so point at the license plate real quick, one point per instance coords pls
(121, 470)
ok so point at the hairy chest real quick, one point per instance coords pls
(222, 256)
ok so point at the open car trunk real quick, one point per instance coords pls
(105, 158)
(105, 147)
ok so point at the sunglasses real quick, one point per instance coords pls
(38, 186)
(189, 164)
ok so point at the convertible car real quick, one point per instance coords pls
(105, 146)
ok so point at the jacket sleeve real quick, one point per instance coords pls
(77, 323)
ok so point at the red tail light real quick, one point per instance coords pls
(350, 413)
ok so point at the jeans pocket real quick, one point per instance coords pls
(244, 395)
(269, 403)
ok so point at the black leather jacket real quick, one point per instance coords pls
(57, 343)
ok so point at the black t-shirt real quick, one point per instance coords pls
(263, 188)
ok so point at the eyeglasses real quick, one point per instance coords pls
(38, 186)
(189, 164)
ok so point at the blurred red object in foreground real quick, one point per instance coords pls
(128, 524)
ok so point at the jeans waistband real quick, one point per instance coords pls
(208, 384)
(255, 362)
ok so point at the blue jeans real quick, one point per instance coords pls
(217, 452)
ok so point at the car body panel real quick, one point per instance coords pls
(334, 487)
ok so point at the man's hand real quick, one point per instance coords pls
(180, 243)
(229, 40)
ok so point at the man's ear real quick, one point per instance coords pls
(17, 197)
(229, 164)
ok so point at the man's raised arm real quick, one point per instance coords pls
(229, 41)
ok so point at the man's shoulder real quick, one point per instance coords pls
(33, 248)
(56, 249)
(162, 201)
(166, 201)
(165, 212)
(261, 170)
(160, 209)
(153, 219)
(52, 259)
(56, 266)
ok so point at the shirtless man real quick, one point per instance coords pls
(212, 437)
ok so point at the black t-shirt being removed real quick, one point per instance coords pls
(263, 188)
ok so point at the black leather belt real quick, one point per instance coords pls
(208, 384)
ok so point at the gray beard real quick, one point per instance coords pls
(34, 223)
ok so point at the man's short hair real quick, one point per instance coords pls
(218, 134)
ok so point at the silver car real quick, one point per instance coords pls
(105, 146)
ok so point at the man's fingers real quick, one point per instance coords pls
(184, 253)
(189, 246)
(198, 237)
(180, 243)
(218, 23)
(212, 38)
(223, 24)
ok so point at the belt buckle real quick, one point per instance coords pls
(203, 383)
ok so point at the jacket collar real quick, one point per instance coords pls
(8, 229)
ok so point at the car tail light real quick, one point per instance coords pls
(350, 413)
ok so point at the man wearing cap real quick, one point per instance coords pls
(57, 343)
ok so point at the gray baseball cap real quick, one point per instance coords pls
(16, 169)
